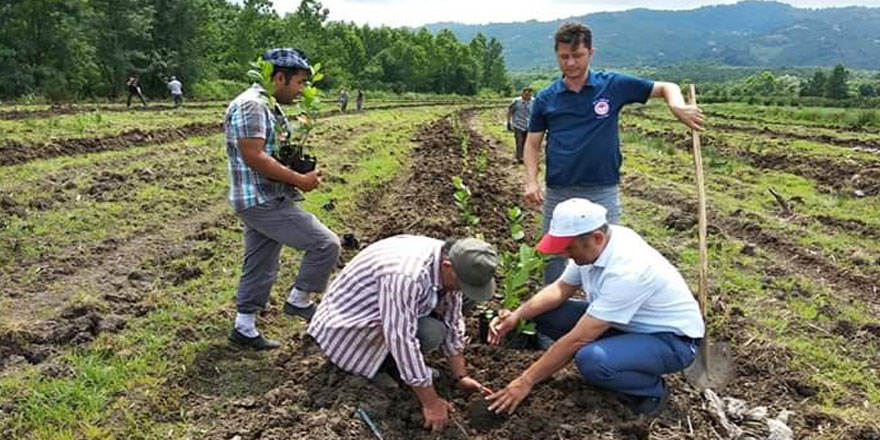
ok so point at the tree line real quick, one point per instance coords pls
(78, 49)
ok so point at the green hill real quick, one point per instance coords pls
(749, 33)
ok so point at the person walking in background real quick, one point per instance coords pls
(134, 88)
(343, 99)
(176, 89)
(580, 114)
(359, 100)
(518, 113)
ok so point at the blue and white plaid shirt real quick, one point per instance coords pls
(249, 116)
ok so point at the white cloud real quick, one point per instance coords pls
(419, 12)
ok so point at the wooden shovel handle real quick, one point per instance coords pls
(701, 213)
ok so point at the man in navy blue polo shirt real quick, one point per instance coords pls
(580, 113)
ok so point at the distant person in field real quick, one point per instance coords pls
(399, 298)
(640, 320)
(134, 88)
(343, 99)
(359, 100)
(176, 89)
(265, 195)
(580, 113)
(518, 113)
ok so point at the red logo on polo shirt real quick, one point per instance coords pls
(602, 107)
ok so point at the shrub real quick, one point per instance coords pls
(217, 89)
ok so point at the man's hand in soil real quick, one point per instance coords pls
(689, 115)
(470, 385)
(509, 398)
(501, 325)
(533, 193)
(436, 414)
(309, 181)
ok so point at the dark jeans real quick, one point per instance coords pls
(178, 100)
(431, 332)
(520, 136)
(630, 363)
(135, 91)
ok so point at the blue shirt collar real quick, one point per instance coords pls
(559, 85)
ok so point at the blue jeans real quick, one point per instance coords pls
(607, 196)
(630, 363)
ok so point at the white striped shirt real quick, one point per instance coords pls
(372, 308)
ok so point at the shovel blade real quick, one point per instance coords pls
(713, 367)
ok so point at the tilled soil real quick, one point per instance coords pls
(846, 175)
(300, 395)
(855, 143)
(127, 274)
(14, 152)
(790, 123)
(61, 110)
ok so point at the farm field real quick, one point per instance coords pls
(119, 258)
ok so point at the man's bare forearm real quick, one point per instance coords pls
(532, 155)
(548, 298)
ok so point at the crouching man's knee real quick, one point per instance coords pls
(592, 362)
(431, 333)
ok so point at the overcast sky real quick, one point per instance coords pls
(418, 12)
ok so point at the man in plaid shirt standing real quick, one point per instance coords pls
(265, 196)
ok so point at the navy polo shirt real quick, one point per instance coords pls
(583, 143)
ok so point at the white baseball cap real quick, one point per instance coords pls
(571, 218)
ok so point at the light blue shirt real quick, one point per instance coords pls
(636, 289)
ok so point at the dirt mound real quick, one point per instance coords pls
(15, 152)
(74, 325)
(67, 109)
(421, 200)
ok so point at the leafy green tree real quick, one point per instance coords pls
(124, 28)
(816, 85)
(761, 84)
(837, 88)
(867, 91)
(87, 48)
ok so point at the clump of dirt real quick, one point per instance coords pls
(480, 417)
(11, 207)
(185, 273)
(74, 325)
(106, 183)
(680, 221)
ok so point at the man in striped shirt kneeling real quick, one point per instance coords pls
(399, 298)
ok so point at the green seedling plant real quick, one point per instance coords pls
(520, 269)
(462, 197)
(461, 133)
(482, 161)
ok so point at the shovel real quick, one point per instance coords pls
(713, 367)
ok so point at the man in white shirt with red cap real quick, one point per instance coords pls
(639, 322)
